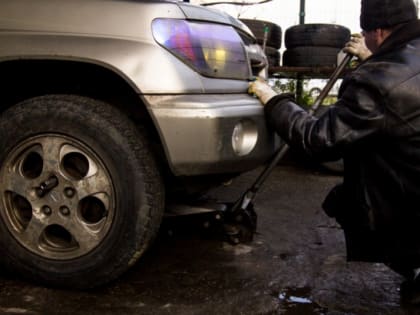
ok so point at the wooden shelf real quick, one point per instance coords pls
(302, 72)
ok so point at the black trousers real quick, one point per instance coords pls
(362, 243)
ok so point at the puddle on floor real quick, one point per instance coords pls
(297, 301)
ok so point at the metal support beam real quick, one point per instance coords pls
(302, 12)
(299, 81)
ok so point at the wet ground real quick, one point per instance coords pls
(295, 265)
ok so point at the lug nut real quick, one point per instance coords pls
(64, 210)
(69, 192)
(46, 210)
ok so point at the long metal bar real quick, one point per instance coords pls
(299, 81)
(331, 81)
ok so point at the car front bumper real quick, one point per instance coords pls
(197, 132)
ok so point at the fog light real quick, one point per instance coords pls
(244, 137)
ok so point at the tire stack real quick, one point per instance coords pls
(274, 38)
(314, 45)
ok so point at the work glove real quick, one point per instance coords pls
(262, 90)
(357, 47)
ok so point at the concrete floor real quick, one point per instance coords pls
(295, 265)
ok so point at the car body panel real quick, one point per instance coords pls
(193, 114)
(198, 130)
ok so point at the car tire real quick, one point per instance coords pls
(82, 195)
(274, 35)
(330, 35)
(310, 56)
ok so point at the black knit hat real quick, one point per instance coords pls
(386, 13)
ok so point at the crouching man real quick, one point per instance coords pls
(375, 128)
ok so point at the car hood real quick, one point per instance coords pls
(195, 12)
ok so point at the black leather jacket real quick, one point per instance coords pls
(375, 128)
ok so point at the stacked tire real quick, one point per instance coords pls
(314, 45)
(274, 38)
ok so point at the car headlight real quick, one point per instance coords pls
(244, 137)
(213, 50)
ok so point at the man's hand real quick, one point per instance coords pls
(357, 47)
(262, 90)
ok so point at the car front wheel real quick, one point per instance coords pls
(81, 193)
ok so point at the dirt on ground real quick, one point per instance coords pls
(295, 265)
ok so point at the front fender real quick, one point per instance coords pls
(147, 67)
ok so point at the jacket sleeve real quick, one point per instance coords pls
(358, 113)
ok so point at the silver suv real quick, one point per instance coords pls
(110, 110)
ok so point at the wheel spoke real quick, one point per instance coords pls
(97, 183)
(85, 237)
(21, 179)
(51, 147)
(32, 234)
(18, 184)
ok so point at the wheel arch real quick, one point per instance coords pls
(29, 78)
